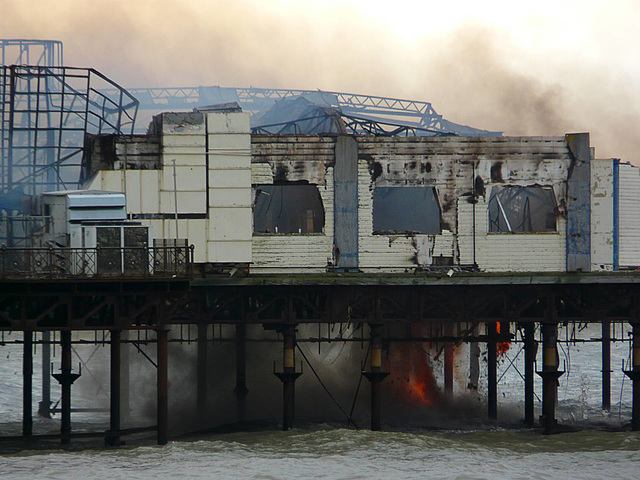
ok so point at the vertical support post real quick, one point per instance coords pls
(115, 398)
(474, 363)
(550, 375)
(27, 375)
(65, 381)
(125, 411)
(606, 365)
(288, 362)
(492, 372)
(241, 372)
(530, 350)
(201, 387)
(45, 404)
(163, 387)
(634, 375)
(375, 375)
(448, 363)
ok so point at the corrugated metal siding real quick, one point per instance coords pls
(602, 214)
(629, 216)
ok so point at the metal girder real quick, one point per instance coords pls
(364, 113)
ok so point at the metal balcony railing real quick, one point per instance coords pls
(99, 262)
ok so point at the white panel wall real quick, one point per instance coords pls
(602, 215)
(629, 216)
(229, 160)
(508, 252)
(183, 154)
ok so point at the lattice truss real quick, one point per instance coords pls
(46, 111)
(323, 112)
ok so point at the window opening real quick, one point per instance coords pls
(288, 208)
(529, 209)
(406, 210)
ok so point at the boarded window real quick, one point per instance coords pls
(288, 208)
(406, 210)
(522, 209)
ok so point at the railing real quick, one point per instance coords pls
(99, 262)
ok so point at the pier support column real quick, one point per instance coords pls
(241, 372)
(125, 378)
(288, 376)
(115, 391)
(375, 375)
(201, 387)
(606, 365)
(530, 350)
(66, 379)
(474, 362)
(550, 375)
(448, 362)
(634, 375)
(27, 384)
(44, 405)
(163, 387)
(492, 372)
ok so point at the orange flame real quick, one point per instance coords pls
(502, 347)
(413, 378)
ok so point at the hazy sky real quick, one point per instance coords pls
(525, 68)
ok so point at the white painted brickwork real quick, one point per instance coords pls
(308, 253)
(508, 252)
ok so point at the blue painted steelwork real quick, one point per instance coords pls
(345, 181)
(45, 112)
(578, 243)
(616, 214)
(363, 114)
(47, 53)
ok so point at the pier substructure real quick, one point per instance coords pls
(530, 350)
(550, 375)
(375, 375)
(492, 372)
(163, 387)
(201, 387)
(241, 372)
(448, 362)
(115, 393)
(634, 375)
(44, 406)
(288, 376)
(66, 379)
(606, 365)
(27, 386)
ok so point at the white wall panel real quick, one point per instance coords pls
(602, 214)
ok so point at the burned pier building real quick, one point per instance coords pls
(218, 217)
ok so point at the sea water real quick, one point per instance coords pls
(434, 444)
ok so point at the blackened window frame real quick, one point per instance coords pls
(264, 195)
(500, 211)
(432, 203)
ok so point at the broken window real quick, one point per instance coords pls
(522, 209)
(406, 210)
(288, 208)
